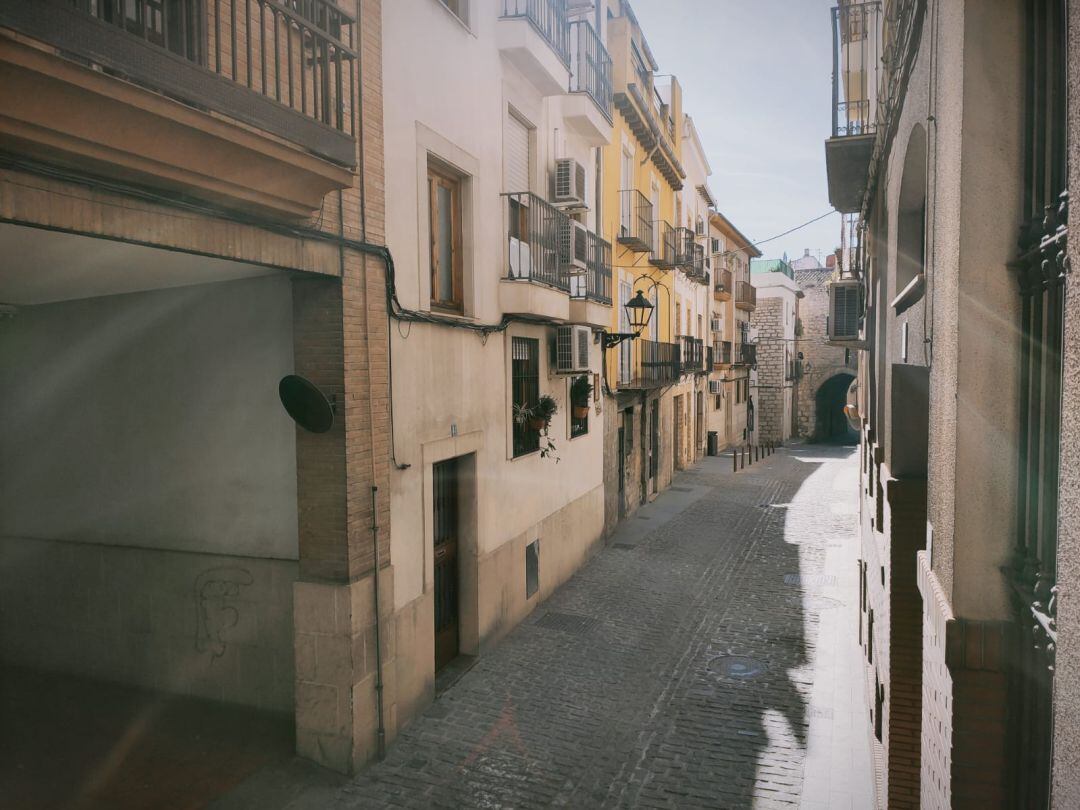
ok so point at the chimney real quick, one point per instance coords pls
(830, 261)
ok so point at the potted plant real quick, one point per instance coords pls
(541, 413)
(580, 391)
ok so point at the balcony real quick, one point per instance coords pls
(745, 296)
(693, 355)
(745, 354)
(663, 249)
(721, 354)
(635, 221)
(645, 364)
(590, 292)
(537, 280)
(534, 36)
(722, 287)
(186, 96)
(588, 107)
(695, 268)
(856, 57)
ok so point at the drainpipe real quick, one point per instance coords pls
(381, 733)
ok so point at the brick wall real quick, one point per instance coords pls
(937, 688)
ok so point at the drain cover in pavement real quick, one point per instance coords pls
(741, 667)
(566, 622)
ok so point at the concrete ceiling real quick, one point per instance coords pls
(40, 267)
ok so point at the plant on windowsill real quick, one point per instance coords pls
(538, 418)
(580, 391)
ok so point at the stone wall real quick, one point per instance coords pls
(820, 361)
(772, 385)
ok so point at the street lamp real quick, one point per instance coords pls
(638, 312)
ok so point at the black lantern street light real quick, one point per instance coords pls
(638, 312)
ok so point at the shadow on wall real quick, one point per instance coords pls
(832, 425)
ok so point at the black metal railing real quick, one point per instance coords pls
(693, 355)
(684, 247)
(548, 18)
(747, 354)
(856, 60)
(595, 283)
(722, 352)
(635, 220)
(590, 66)
(663, 247)
(535, 228)
(297, 52)
(695, 269)
(723, 282)
(745, 295)
(660, 362)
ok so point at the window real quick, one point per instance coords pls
(525, 392)
(459, 8)
(444, 208)
(532, 568)
(579, 405)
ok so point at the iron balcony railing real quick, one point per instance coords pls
(695, 268)
(590, 66)
(536, 240)
(650, 364)
(663, 248)
(722, 352)
(684, 247)
(856, 60)
(548, 19)
(595, 283)
(747, 354)
(693, 355)
(297, 52)
(723, 282)
(745, 295)
(635, 221)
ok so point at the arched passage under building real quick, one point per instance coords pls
(832, 424)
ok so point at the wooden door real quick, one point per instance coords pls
(445, 486)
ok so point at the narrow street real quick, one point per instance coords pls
(706, 658)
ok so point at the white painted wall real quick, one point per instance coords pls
(447, 93)
(152, 419)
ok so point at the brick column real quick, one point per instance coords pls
(341, 344)
(907, 518)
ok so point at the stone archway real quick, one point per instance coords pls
(831, 424)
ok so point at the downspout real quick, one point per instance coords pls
(381, 732)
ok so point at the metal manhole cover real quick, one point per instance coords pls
(740, 667)
(567, 622)
(809, 579)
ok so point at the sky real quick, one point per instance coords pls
(756, 79)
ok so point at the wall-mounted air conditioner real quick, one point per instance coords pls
(572, 349)
(569, 183)
(574, 246)
(845, 309)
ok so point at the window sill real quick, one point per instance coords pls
(912, 293)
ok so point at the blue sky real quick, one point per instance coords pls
(756, 80)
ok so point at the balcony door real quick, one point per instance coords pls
(626, 181)
(446, 507)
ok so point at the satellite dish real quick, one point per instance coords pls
(306, 404)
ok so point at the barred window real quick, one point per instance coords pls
(525, 391)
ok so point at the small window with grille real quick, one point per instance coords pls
(525, 392)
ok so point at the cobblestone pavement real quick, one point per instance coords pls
(674, 670)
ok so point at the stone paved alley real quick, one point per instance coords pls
(706, 658)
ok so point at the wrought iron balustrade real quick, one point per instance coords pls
(693, 355)
(663, 248)
(722, 352)
(534, 235)
(856, 60)
(297, 52)
(595, 283)
(723, 282)
(548, 19)
(590, 66)
(650, 364)
(635, 221)
(745, 295)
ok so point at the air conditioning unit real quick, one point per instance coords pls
(572, 349)
(574, 246)
(569, 183)
(716, 325)
(716, 387)
(845, 309)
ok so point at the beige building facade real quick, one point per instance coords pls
(952, 293)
